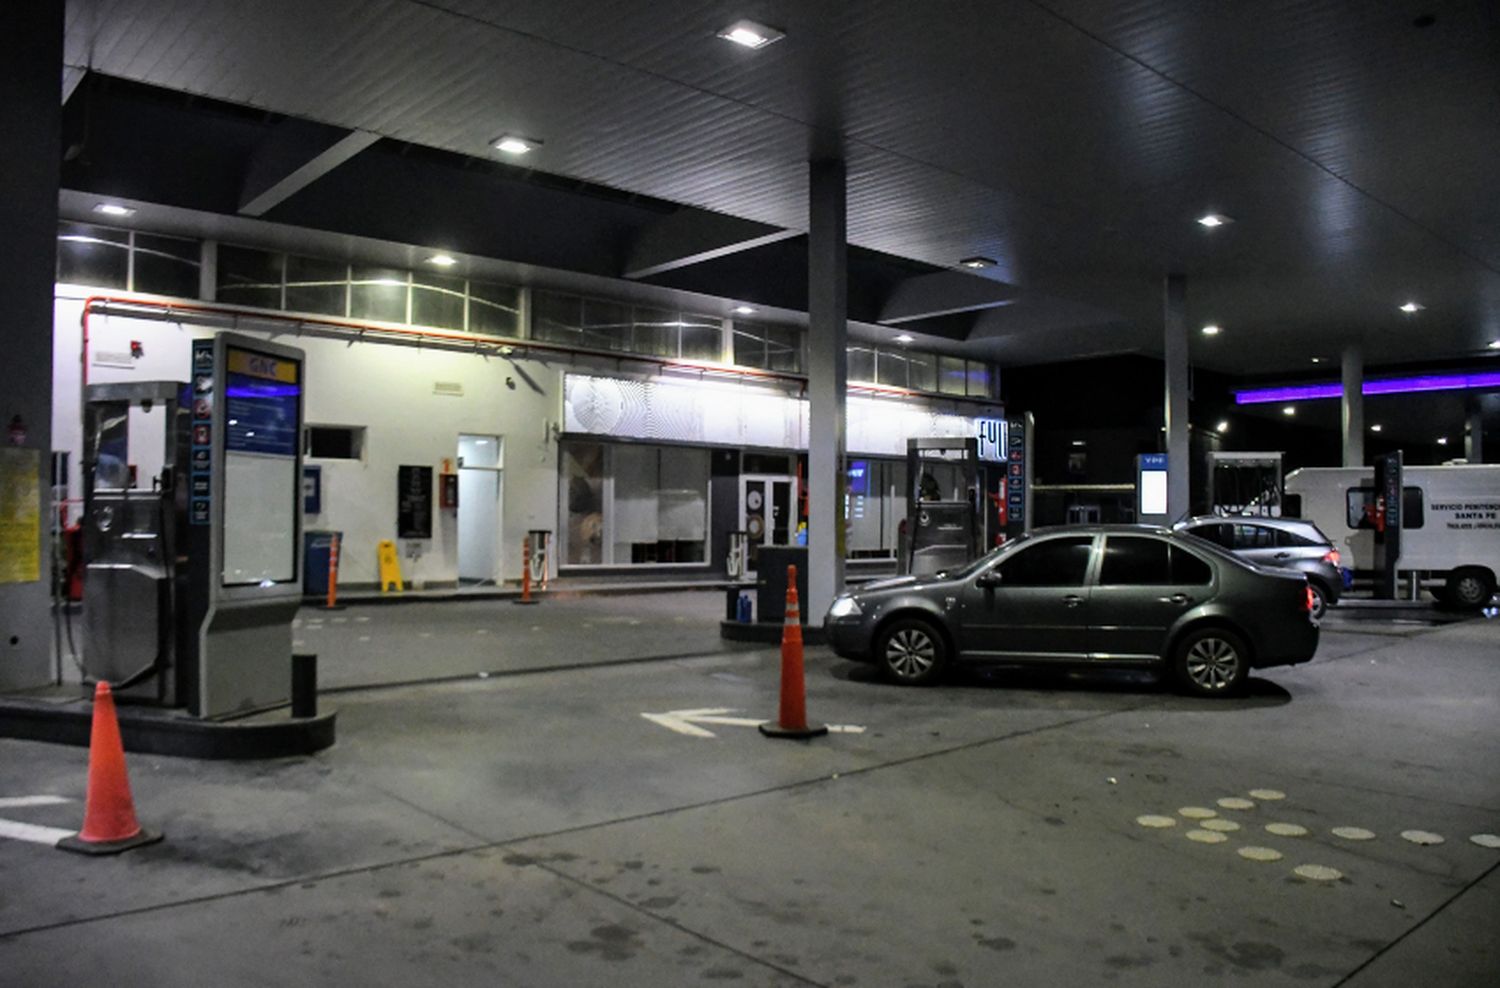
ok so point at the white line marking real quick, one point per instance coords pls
(686, 721)
(16, 830)
(7, 802)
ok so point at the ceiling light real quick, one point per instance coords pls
(1213, 220)
(1495, 344)
(1410, 307)
(113, 209)
(442, 260)
(1223, 426)
(1080, 442)
(512, 144)
(1289, 410)
(743, 310)
(1442, 440)
(751, 34)
(905, 338)
(1212, 330)
(1375, 428)
(978, 262)
(1317, 360)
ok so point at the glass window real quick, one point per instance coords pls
(1220, 534)
(654, 332)
(749, 345)
(1254, 537)
(784, 349)
(1286, 540)
(335, 442)
(437, 301)
(93, 255)
(494, 309)
(1361, 504)
(921, 371)
(167, 265)
(977, 380)
(1188, 569)
(890, 368)
(1134, 561)
(605, 325)
(653, 510)
(953, 376)
(379, 294)
(318, 286)
(1054, 563)
(249, 277)
(861, 364)
(582, 470)
(702, 338)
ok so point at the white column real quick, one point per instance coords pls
(1353, 407)
(1175, 405)
(827, 381)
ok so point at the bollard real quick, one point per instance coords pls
(525, 597)
(331, 602)
(304, 685)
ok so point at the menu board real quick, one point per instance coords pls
(414, 502)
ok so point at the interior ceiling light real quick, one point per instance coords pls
(514, 144)
(977, 263)
(1375, 427)
(751, 34)
(1410, 307)
(743, 310)
(905, 338)
(1212, 330)
(442, 260)
(1212, 220)
(113, 209)
(1289, 410)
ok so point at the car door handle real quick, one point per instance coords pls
(1282, 555)
(1072, 600)
(1180, 598)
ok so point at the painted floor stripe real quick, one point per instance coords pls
(7, 802)
(16, 830)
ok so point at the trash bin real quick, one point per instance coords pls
(316, 547)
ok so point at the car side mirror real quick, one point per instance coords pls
(987, 581)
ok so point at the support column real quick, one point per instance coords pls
(1175, 405)
(1353, 407)
(31, 119)
(827, 382)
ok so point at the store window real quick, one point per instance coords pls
(123, 259)
(334, 442)
(874, 506)
(250, 277)
(633, 505)
(768, 347)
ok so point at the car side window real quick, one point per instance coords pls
(1189, 570)
(1220, 534)
(1054, 563)
(1291, 540)
(1254, 537)
(1133, 560)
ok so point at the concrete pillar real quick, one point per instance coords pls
(31, 120)
(827, 382)
(1175, 351)
(1353, 406)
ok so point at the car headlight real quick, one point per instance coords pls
(844, 607)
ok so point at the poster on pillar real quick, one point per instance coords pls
(20, 515)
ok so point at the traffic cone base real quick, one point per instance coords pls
(771, 730)
(81, 846)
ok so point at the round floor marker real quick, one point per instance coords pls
(1269, 795)
(1286, 829)
(1206, 836)
(1236, 803)
(1423, 837)
(1318, 873)
(1485, 840)
(1353, 833)
(1259, 853)
(1221, 825)
(1152, 820)
(1197, 812)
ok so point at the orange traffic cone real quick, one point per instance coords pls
(525, 597)
(792, 722)
(109, 823)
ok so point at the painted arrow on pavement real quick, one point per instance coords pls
(16, 830)
(687, 721)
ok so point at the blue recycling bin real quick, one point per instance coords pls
(316, 548)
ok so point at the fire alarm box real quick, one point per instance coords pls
(448, 490)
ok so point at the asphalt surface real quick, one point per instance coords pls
(533, 828)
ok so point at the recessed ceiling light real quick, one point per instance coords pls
(1289, 410)
(514, 144)
(1317, 360)
(905, 338)
(1212, 330)
(1442, 440)
(1080, 442)
(1495, 344)
(442, 260)
(1223, 426)
(1376, 427)
(1410, 307)
(113, 209)
(978, 262)
(1213, 220)
(751, 34)
(743, 310)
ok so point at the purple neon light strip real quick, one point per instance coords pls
(1387, 386)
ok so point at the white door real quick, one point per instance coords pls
(479, 491)
(768, 511)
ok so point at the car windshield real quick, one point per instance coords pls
(971, 568)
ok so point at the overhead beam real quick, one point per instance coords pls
(693, 236)
(296, 154)
(943, 293)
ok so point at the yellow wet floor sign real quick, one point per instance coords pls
(390, 566)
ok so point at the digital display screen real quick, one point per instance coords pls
(262, 486)
(1153, 492)
(859, 477)
(261, 402)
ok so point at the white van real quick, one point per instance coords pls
(1450, 523)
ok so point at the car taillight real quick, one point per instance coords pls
(1331, 556)
(1308, 600)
